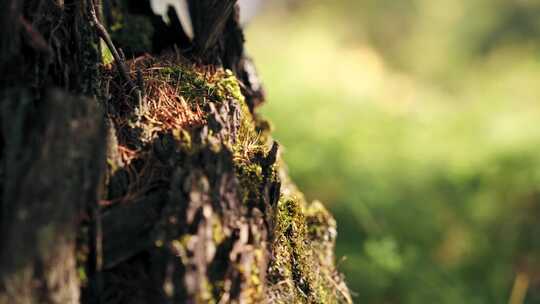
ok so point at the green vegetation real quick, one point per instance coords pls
(416, 122)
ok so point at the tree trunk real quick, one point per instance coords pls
(135, 168)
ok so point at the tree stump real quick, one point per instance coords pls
(136, 169)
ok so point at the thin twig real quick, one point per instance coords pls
(103, 34)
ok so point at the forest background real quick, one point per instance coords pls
(416, 123)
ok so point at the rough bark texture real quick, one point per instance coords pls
(151, 179)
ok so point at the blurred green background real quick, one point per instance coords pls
(417, 123)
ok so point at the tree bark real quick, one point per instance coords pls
(147, 176)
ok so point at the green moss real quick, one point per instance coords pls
(297, 263)
(228, 86)
(83, 278)
(198, 86)
(321, 224)
(217, 230)
(250, 178)
(294, 267)
(291, 257)
(106, 55)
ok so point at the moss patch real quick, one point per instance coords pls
(302, 266)
(190, 118)
(176, 99)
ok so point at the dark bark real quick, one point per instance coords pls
(51, 168)
(52, 147)
(183, 200)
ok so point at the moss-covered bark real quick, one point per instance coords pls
(193, 205)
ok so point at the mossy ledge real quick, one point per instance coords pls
(216, 218)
